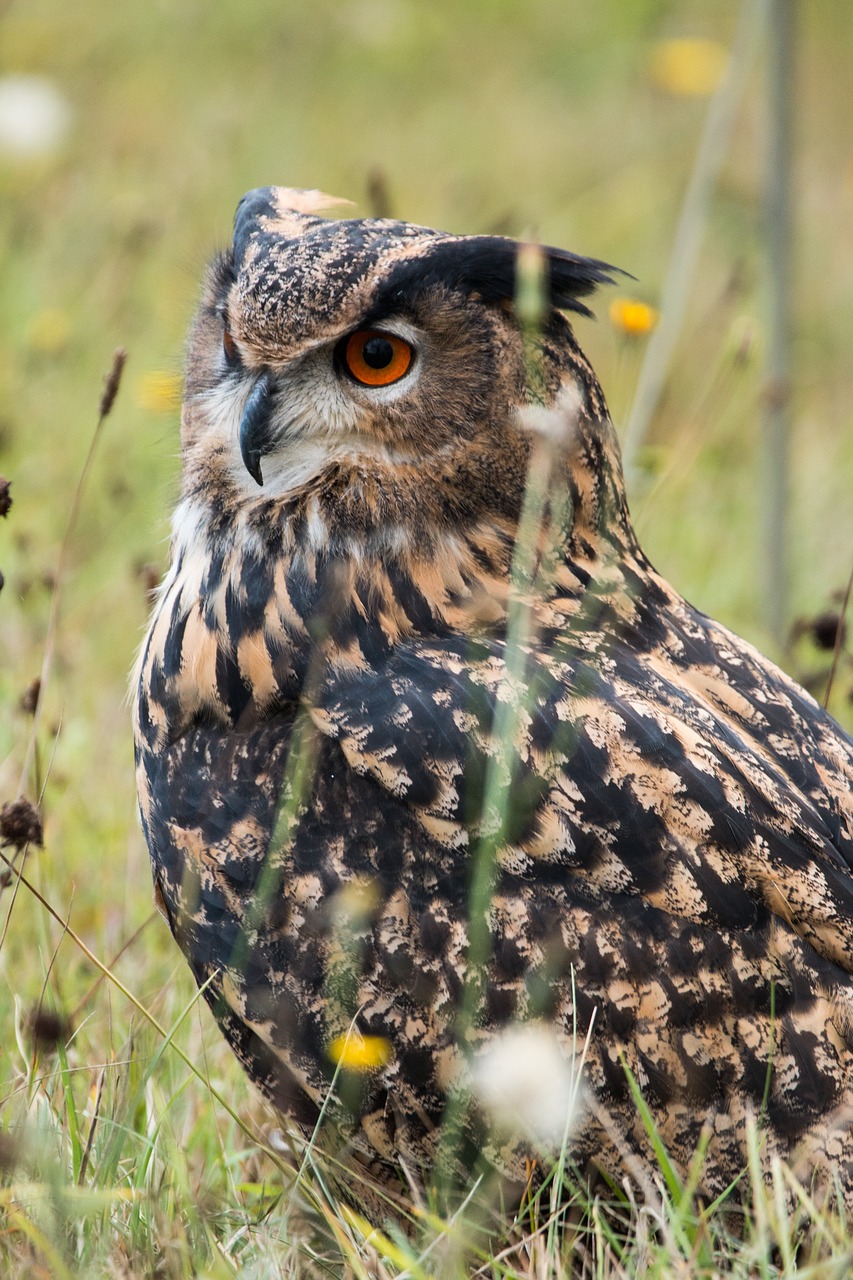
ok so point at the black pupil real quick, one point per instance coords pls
(377, 353)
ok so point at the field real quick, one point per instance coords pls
(138, 1148)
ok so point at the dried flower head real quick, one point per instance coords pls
(825, 627)
(30, 696)
(20, 824)
(112, 382)
(49, 1028)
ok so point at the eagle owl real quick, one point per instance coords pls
(408, 783)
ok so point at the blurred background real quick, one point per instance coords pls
(127, 135)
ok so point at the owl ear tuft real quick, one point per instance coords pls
(255, 205)
(571, 277)
(281, 211)
(487, 265)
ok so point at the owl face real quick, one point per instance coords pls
(371, 347)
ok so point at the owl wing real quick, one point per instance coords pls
(616, 778)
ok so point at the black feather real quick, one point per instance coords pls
(487, 266)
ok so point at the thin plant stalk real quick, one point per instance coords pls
(112, 383)
(777, 383)
(688, 236)
(146, 1013)
(839, 641)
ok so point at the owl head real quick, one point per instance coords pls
(377, 366)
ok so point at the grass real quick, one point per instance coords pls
(139, 1149)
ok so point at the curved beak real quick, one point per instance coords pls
(255, 433)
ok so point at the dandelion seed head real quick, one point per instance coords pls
(558, 422)
(527, 1082)
(34, 116)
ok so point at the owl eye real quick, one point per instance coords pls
(229, 346)
(376, 359)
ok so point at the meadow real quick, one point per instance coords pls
(130, 1142)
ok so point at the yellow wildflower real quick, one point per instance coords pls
(49, 331)
(633, 318)
(159, 392)
(688, 68)
(355, 1052)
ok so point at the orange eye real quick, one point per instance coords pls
(376, 359)
(229, 346)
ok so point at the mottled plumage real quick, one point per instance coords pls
(316, 755)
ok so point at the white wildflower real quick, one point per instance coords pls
(557, 424)
(34, 116)
(527, 1082)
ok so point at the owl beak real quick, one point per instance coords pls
(255, 434)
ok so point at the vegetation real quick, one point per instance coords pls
(130, 1142)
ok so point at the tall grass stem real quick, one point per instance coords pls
(675, 295)
(777, 381)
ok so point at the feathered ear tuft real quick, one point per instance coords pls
(571, 277)
(254, 205)
(279, 211)
(487, 265)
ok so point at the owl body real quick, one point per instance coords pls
(415, 768)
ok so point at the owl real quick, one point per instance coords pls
(429, 755)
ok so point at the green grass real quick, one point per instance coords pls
(117, 1159)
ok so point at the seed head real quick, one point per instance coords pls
(49, 1028)
(20, 824)
(30, 696)
(112, 383)
(528, 1085)
(825, 628)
